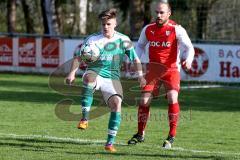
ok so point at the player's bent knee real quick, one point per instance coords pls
(146, 99)
(172, 96)
(89, 78)
(114, 103)
(144, 103)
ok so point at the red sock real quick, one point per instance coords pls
(143, 115)
(173, 115)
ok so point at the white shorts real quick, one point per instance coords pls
(107, 86)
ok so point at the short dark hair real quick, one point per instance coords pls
(108, 14)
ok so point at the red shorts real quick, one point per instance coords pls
(170, 79)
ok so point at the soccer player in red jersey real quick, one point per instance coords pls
(165, 38)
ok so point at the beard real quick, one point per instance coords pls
(160, 22)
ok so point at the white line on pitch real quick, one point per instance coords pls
(95, 141)
(59, 139)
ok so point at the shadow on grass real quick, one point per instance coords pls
(49, 145)
(214, 99)
(198, 104)
(23, 145)
(38, 97)
(23, 84)
(149, 155)
(50, 141)
(43, 145)
(119, 154)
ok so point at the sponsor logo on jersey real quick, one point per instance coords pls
(160, 44)
(168, 33)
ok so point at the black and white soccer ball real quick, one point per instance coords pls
(90, 53)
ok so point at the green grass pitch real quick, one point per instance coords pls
(29, 128)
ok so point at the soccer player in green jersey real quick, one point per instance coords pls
(104, 74)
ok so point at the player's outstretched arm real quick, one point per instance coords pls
(74, 67)
(138, 70)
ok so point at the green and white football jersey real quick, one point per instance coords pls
(112, 53)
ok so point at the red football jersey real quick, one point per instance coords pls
(164, 43)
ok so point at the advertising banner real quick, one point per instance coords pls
(6, 51)
(27, 52)
(214, 63)
(50, 53)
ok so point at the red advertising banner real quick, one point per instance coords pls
(27, 52)
(50, 52)
(6, 51)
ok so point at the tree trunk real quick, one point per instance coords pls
(11, 16)
(58, 7)
(136, 17)
(202, 9)
(49, 17)
(201, 20)
(83, 16)
(28, 16)
(140, 15)
(76, 18)
(147, 12)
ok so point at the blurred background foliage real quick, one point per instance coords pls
(204, 20)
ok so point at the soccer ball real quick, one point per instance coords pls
(89, 53)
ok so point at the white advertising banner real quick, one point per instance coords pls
(69, 47)
(214, 63)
